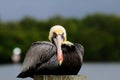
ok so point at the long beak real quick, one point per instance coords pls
(58, 43)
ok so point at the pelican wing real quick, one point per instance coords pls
(39, 53)
(80, 51)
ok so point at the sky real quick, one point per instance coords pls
(44, 9)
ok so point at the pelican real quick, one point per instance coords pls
(58, 57)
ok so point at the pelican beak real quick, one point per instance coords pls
(58, 42)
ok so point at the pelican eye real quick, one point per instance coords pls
(54, 35)
(62, 36)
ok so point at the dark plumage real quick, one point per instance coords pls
(42, 60)
(60, 57)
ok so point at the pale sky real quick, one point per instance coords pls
(44, 9)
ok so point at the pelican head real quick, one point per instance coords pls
(57, 35)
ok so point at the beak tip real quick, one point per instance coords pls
(60, 62)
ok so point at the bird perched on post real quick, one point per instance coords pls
(58, 57)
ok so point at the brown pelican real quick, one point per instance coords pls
(60, 57)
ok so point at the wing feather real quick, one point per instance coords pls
(80, 50)
(38, 53)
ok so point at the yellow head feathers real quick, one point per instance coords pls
(58, 29)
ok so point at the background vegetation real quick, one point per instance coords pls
(98, 33)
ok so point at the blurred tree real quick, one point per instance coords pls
(98, 33)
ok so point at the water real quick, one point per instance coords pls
(93, 71)
(10, 72)
(101, 71)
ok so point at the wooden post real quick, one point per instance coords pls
(60, 77)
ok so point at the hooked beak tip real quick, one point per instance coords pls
(60, 62)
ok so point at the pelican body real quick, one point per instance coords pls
(58, 57)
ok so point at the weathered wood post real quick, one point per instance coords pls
(60, 77)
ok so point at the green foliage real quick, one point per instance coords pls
(99, 34)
